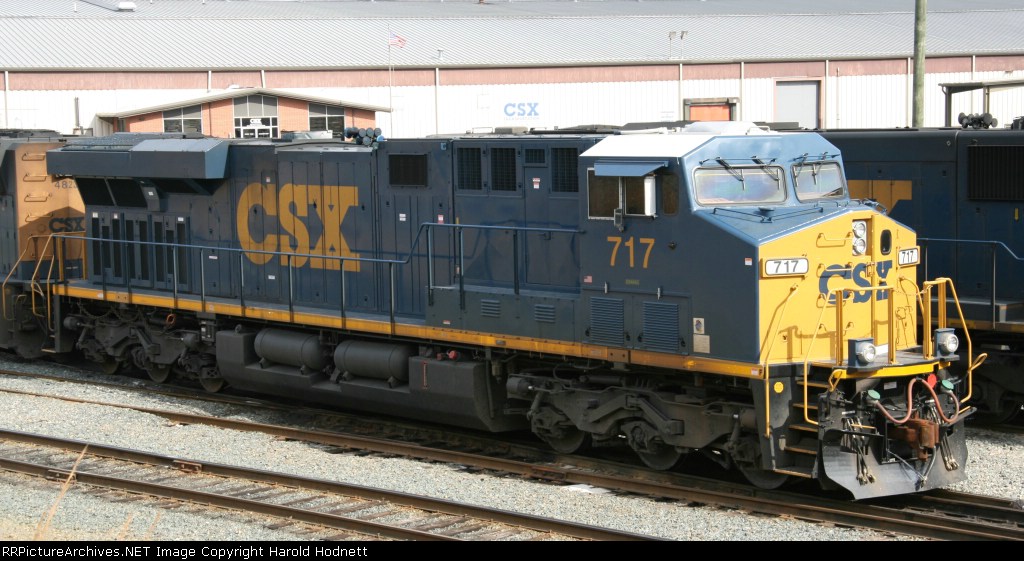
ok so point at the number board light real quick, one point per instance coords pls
(911, 256)
(783, 267)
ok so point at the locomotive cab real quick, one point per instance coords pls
(748, 259)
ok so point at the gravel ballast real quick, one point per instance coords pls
(995, 467)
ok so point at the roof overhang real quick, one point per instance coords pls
(238, 92)
(988, 87)
(627, 169)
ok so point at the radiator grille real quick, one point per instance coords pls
(606, 321)
(490, 308)
(544, 313)
(661, 326)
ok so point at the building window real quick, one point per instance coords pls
(256, 117)
(327, 118)
(185, 119)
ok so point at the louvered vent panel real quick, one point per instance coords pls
(490, 308)
(544, 313)
(606, 321)
(661, 326)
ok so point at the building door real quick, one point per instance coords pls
(799, 102)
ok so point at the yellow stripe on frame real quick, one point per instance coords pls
(454, 336)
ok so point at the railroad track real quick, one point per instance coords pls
(967, 520)
(353, 510)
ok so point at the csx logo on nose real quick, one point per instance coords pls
(303, 215)
(859, 275)
(67, 224)
(522, 109)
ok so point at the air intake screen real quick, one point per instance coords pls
(470, 176)
(564, 162)
(995, 173)
(408, 170)
(503, 169)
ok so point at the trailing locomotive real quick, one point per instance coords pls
(961, 190)
(33, 205)
(712, 290)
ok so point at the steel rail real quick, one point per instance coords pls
(801, 506)
(525, 521)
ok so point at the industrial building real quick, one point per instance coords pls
(261, 68)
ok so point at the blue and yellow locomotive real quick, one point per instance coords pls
(961, 190)
(709, 290)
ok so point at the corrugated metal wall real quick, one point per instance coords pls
(854, 101)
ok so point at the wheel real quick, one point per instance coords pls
(762, 478)
(659, 456)
(159, 373)
(570, 440)
(213, 385)
(109, 366)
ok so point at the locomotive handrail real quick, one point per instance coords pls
(288, 257)
(972, 364)
(767, 371)
(840, 297)
(403, 261)
(33, 280)
(3, 288)
(994, 244)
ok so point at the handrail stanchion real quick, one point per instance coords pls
(430, 266)
(291, 292)
(992, 298)
(515, 262)
(202, 279)
(462, 269)
(391, 313)
(241, 283)
(174, 274)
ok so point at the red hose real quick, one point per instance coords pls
(910, 408)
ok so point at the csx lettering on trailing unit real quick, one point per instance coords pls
(297, 208)
(859, 275)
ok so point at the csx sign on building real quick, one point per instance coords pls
(308, 221)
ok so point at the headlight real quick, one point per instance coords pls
(866, 353)
(860, 237)
(862, 351)
(946, 341)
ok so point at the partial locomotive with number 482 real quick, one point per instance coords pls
(712, 290)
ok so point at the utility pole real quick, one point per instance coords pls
(919, 26)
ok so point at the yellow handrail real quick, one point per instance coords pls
(839, 321)
(807, 359)
(771, 345)
(972, 364)
(3, 288)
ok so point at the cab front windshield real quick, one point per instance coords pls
(736, 185)
(817, 181)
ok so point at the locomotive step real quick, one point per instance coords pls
(804, 427)
(797, 471)
(812, 383)
(802, 449)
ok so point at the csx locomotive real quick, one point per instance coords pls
(709, 290)
(962, 191)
